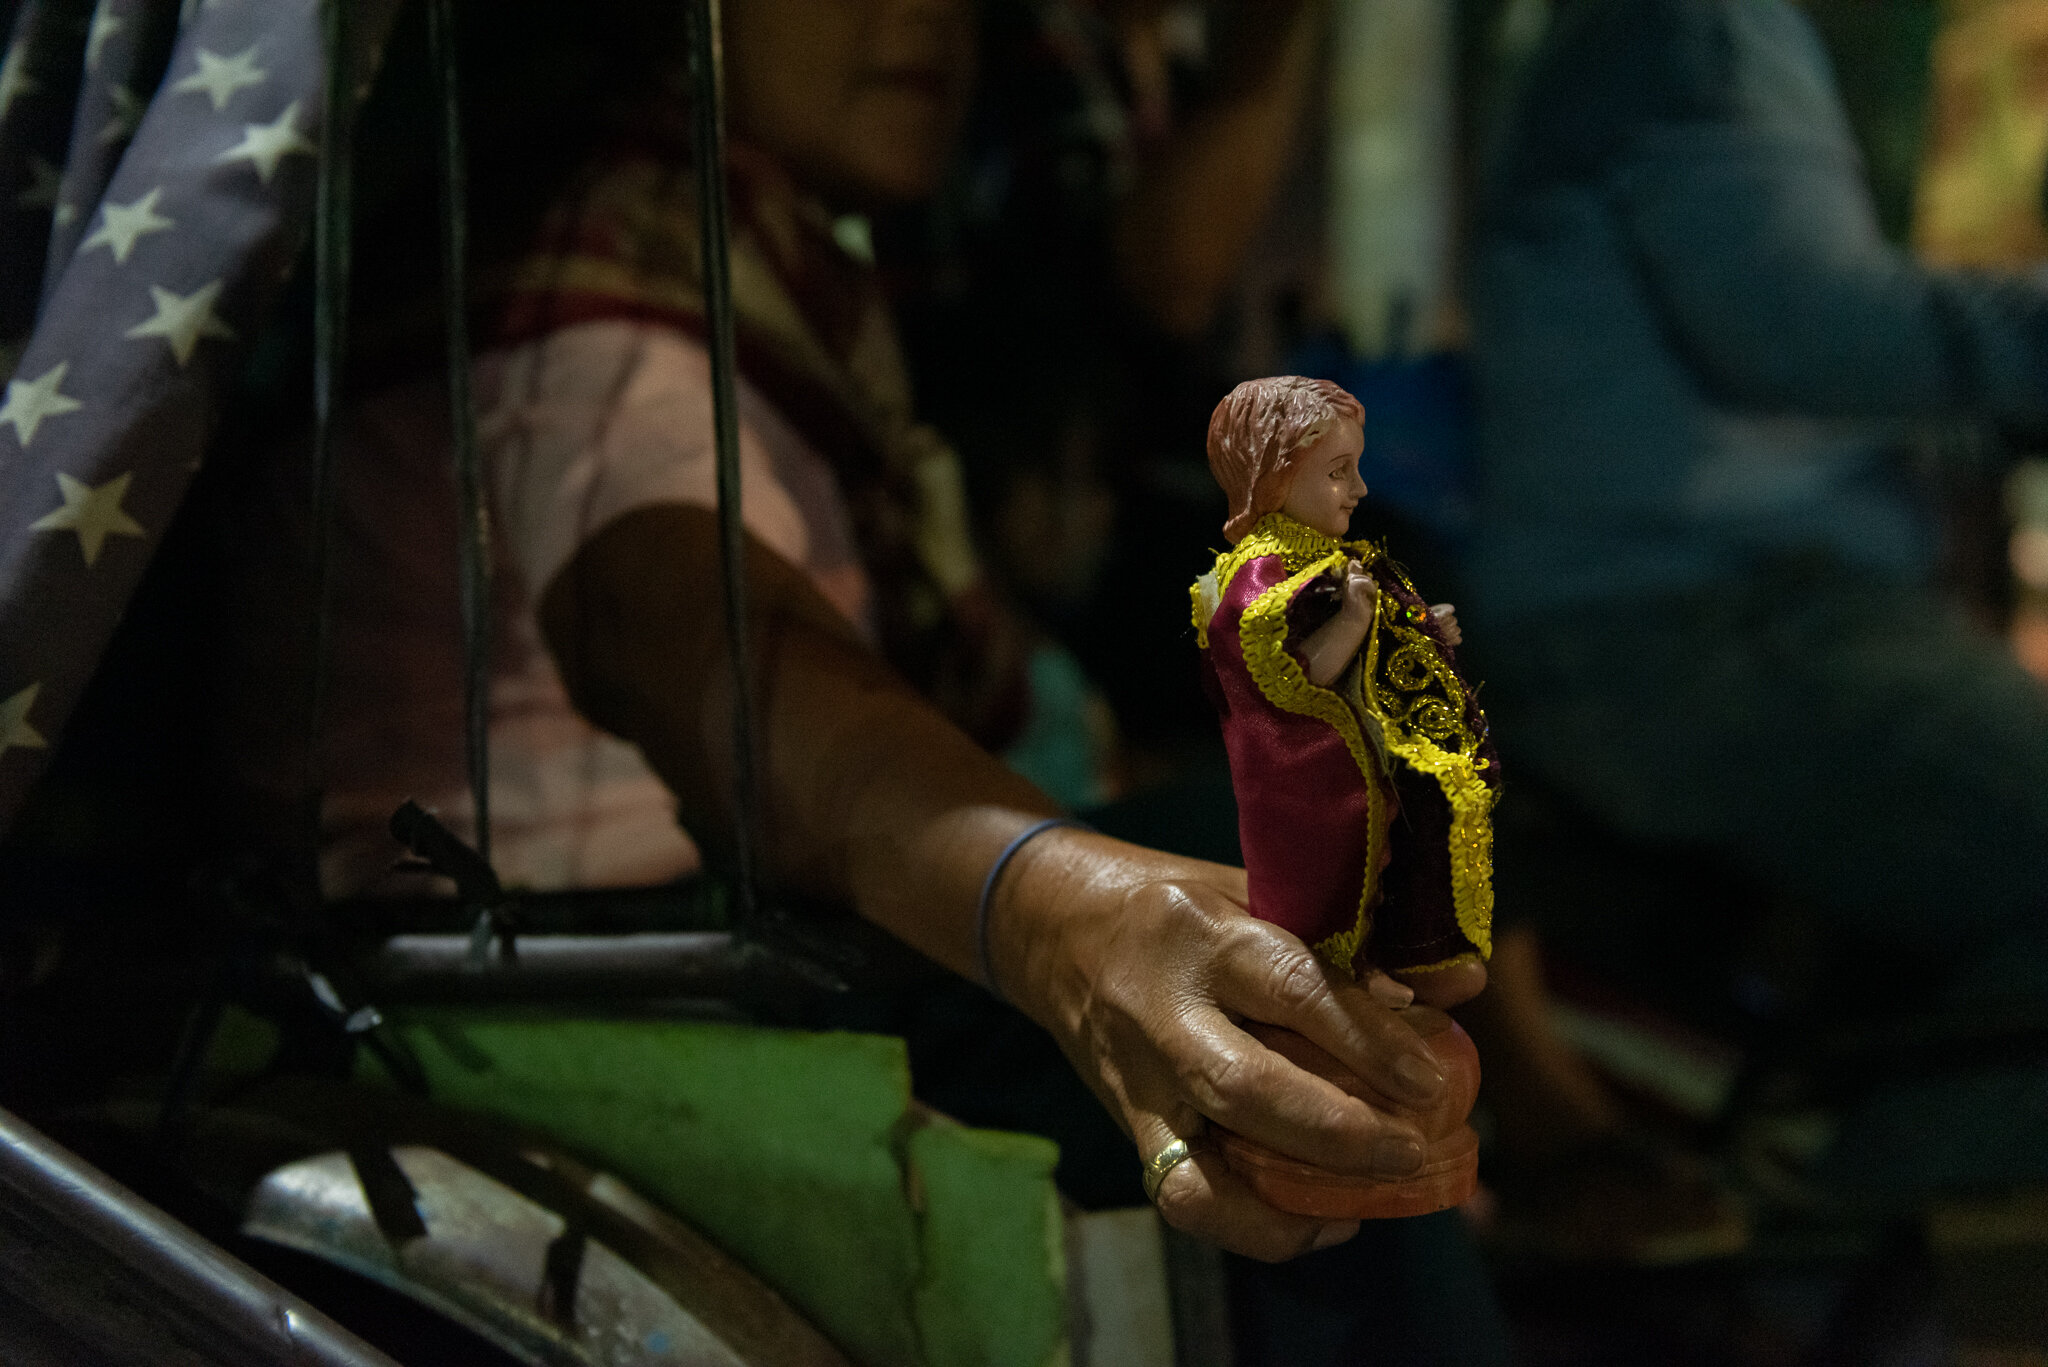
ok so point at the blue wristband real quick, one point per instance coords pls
(988, 889)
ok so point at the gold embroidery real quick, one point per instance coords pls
(1296, 544)
(1420, 705)
(1406, 690)
(1207, 596)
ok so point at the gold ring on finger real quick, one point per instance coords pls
(1163, 1162)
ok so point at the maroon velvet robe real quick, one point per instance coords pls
(1347, 843)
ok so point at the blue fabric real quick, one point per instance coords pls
(1692, 342)
(1700, 595)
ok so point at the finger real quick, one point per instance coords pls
(1273, 978)
(1235, 1080)
(1203, 1197)
(1447, 987)
(1391, 993)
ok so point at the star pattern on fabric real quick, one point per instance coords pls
(196, 204)
(122, 224)
(92, 511)
(128, 109)
(182, 319)
(30, 402)
(15, 732)
(190, 9)
(220, 77)
(104, 27)
(15, 81)
(45, 181)
(264, 145)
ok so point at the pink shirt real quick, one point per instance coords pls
(576, 430)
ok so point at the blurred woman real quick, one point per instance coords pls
(885, 667)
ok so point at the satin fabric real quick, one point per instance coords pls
(1305, 808)
(1332, 846)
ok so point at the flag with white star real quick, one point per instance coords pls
(127, 43)
(167, 259)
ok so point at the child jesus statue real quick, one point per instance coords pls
(1364, 774)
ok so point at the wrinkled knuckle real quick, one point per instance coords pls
(1248, 939)
(1217, 1077)
(1298, 982)
(1180, 1204)
(1168, 903)
(1185, 912)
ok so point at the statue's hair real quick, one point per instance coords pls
(1257, 433)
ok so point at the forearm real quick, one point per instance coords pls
(1143, 966)
(879, 800)
(1328, 650)
(870, 796)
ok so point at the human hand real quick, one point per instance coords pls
(1447, 618)
(1144, 967)
(1361, 594)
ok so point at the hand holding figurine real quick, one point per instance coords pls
(1364, 776)
(1159, 985)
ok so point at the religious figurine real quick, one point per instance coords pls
(1364, 775)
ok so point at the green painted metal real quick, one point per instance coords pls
(992, 1288)
(911, 1244)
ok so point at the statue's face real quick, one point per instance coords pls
(1326, 481)
(861, 100)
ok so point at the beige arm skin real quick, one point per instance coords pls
(1139, 963)
(1328, 650)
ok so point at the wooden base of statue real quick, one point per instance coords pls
(1450, 1168)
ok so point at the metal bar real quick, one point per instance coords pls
(700, 904)
(707, 101)
(610, 969)
(333, 213)
(411, 968)
(716, 979)
(196, 1285)
(474, 512)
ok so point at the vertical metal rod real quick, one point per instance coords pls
(332, 244)
(333, 256)
(707, 99)
(473, 511)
